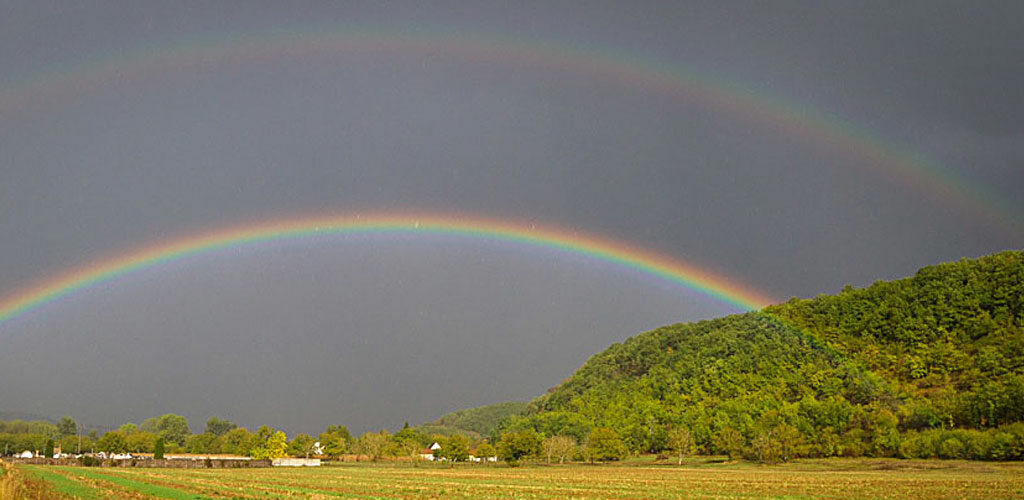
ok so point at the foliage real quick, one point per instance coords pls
(238, 441)
(604, 444)
(851, 374)
(454, 448)
(203, 443)
(559, 447)
(484, 451)
(680, 441)
(301, 446)
(112, 442)
(374, 444)
(335, 441)
(274, 446)
(173, 428)
(158, 449)
(219, 427)
(66, 427)
(517, 445)
(483, 420)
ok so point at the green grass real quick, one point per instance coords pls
(139, 486)
(60, 483)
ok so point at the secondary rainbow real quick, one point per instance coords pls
(687, 275)
(896, 162)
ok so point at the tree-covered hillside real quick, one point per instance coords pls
(931, 365)
(479, 421)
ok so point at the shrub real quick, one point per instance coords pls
(951, 448)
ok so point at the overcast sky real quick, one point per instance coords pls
(373, 331)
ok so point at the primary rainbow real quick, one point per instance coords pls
(894, 161)
(500, 230)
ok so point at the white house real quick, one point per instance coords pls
(25, 454)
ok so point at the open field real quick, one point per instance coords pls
(641, 479)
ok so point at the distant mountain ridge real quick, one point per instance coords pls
(24, 416)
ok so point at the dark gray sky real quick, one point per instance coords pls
(373, 331)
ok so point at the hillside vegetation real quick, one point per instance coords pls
(480, 421)
(931, 365)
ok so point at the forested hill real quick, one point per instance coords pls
(900, 368)
(480, 421)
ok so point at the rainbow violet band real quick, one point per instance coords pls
(499, 230)
(677, 81)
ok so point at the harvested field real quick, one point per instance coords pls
(640, 479)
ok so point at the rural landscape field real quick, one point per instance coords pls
(639, 479)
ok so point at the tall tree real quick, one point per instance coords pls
(455, 448)
(219, 427)
(373, 444)
(301, 446)
(604, 444)
(681, 441)
(158, 450)
(66, 427)
(559, 447)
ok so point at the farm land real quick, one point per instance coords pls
(639, 478)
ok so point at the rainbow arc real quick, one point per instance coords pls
(620, 254)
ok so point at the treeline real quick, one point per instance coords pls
(927, 366)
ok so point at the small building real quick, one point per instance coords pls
(25, 454)
(427, 454)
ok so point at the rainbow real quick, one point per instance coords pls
(499, 230)
(677, 81)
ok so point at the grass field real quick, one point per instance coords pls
(848, 478)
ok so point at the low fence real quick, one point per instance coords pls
(172, 463)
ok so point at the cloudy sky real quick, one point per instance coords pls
(795, 147)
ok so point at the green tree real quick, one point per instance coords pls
(680, 441)
(730, 442)
(455, 448)
(219, 427)
(158, 449)
(559, 447)
(141, 441)
(174, 428)
(203, 443)
(275, 446)
(335, 441)
(66, 427)
(373, 444)
(766, 448)
(238, 441)
(112, 442)
(48, 451)
(484, 451)
(517, 445)
(301, 446)
(604, 444)
(790, 441)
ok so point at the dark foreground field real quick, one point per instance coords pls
(838, 478)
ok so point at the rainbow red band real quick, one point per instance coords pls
(500, 230)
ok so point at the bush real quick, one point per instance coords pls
(88, 461)
(951, 448)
